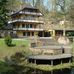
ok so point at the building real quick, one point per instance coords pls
(61, 28)
(27, 22)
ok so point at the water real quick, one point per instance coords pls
(64, 71)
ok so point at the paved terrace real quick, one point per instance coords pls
(50, 57)
(54, 47)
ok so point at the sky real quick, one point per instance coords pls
(47, 3)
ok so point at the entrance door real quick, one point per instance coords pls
(59, 32)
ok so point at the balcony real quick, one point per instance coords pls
(31, 13)
(26, 21)
(28, 29)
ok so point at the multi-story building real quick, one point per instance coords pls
(27, 22)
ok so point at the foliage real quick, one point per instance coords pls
(14, 64)
(70, 34)
(15, 5)
(3, 13)
(4, 67)
(8, 40)
(71, 11)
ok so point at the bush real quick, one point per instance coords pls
(8, 40)
(70, 34)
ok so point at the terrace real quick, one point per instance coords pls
(30, 29)
(24, 20)
(51, 60)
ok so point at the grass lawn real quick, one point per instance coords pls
(21, 45)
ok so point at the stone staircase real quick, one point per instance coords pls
(47, 41)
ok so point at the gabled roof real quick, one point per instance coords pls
(26, 7)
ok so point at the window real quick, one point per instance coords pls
(18, 26)
(23, 25)
(32, 33)
(63, 50)
(14, 25)
(24, 33)
(28, 33)
(27, 25)
(30, 25)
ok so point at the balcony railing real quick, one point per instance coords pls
(32, 13)
(30, 18)
(30, 21)
(31, 29)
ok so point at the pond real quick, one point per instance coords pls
(64, 71)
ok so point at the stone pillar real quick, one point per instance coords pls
(36, 34)
(43, 34)
(64, 33)
(30, 34)
(51, 62)
(53, 34)
(29, 25)
(52, 72)
(61, 62)
(35, 61)
(26, 33)
(20, 25)
(69, 60)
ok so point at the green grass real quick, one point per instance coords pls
(17, 42)
(21, 45)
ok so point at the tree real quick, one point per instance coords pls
(71, 11)
(61, 3)
(3, 13)
(16, 5)
(33, 2)
(40, 5)
(63, 6)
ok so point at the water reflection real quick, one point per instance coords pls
(63, 71)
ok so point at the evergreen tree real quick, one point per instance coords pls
(3, 13)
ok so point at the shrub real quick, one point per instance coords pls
(8, 40)
(70, 34)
